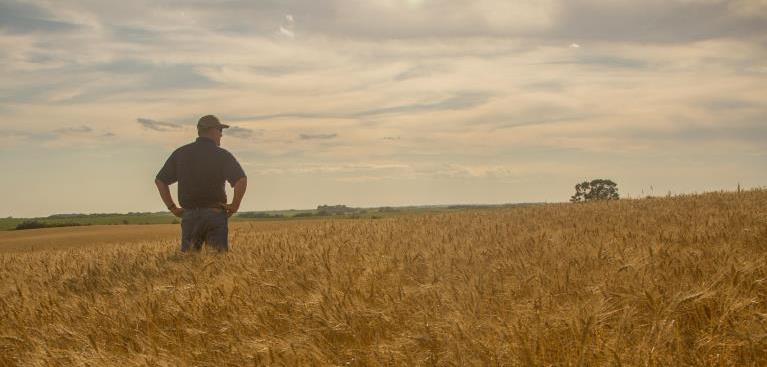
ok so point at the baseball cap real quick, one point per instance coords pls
(210, 121)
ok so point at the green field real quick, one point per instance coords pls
(93, 219)
(167, 218)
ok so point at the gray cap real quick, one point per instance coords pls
(210, 121)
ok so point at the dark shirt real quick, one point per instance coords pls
(201, 169)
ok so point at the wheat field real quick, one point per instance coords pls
(651, 282)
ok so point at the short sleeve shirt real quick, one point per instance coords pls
(201, 169)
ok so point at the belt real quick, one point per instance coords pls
(216, 206)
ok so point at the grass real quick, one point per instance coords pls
(656, 282)
(100, 219)
(11, 223)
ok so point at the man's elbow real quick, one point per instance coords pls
(241, 185)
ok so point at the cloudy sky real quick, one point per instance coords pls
(381, 102)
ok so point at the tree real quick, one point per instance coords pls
(599, 189)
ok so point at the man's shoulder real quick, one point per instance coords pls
(195, 146)
(226, 155)
(223, 151)
(183, 148)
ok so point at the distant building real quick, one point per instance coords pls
(334, 210)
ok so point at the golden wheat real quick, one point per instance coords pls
(651, 282)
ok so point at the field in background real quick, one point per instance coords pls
(669, 281)
(92, 219)
(65, 220)
(336, 211)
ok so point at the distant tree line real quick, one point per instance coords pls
(94, 215)
(259, 215)
(33, 224)
(323, 210)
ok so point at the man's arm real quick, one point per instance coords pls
(164, 190)
(239, 192)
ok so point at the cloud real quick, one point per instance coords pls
(157, 76)
(74, 130)
(29, 135)
(571, 21)
(507, 172)
(739, 134)
(241, 132)
(479, 18)
(22, 17)
(602, 61)
(461, 101)
(416, 72)
(530, 114)
(277, 116)
(287, 28)
(473, 171)
(287, 33)
(718, 104)
(62, 137)
(53, 134)
(23, 94)
(371, 19)
(545, 86)
(157, 125)
(345, 169)
(137, 35)
(670, 21)
(317, 136)
(87, 82)
(541, 121)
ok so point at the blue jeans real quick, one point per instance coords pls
(209, 225)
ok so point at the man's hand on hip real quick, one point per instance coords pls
(177, 211)
(231, 209)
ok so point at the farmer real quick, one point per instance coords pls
(201, 169)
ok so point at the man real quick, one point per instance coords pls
(201, 170)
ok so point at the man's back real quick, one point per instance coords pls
(201, 169)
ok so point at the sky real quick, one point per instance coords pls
(381, 102)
